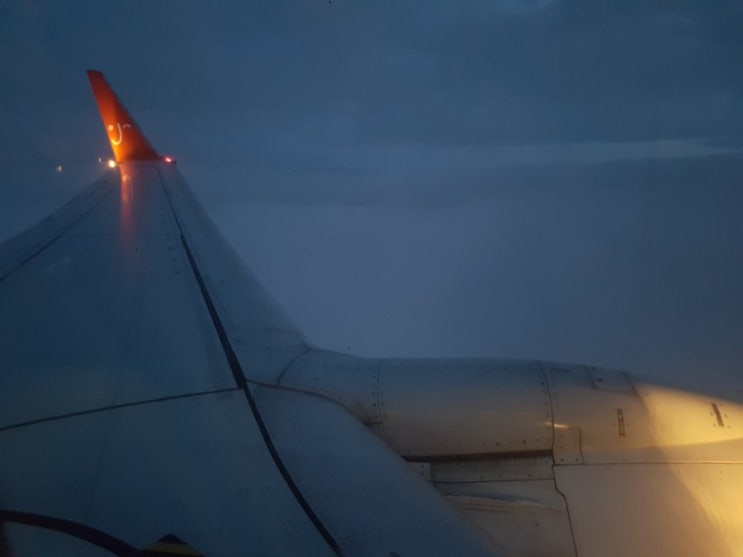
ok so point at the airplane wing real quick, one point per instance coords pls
(154, 400)
(141, 410)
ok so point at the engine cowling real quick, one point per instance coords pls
(443, 409)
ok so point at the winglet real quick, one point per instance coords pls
(127, 140)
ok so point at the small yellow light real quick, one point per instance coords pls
(111, 163)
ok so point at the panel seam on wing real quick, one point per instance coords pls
(115, 407)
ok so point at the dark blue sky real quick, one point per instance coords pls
(473, 178)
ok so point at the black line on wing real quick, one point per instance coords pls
(113, 407)
(241, 382)
(75, 529)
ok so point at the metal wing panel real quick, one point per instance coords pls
(261, 334)
(681, 509)
(15, 251)
(370, 500)
(194, 466)
(107, 313)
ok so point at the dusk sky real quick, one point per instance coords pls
(544, 179)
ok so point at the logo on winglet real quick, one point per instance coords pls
(121, 129)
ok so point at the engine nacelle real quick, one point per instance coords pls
(443, 409)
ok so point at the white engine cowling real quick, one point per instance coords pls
(441, 409)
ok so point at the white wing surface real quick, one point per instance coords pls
(138, 365)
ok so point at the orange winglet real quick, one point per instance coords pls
(127, 140)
